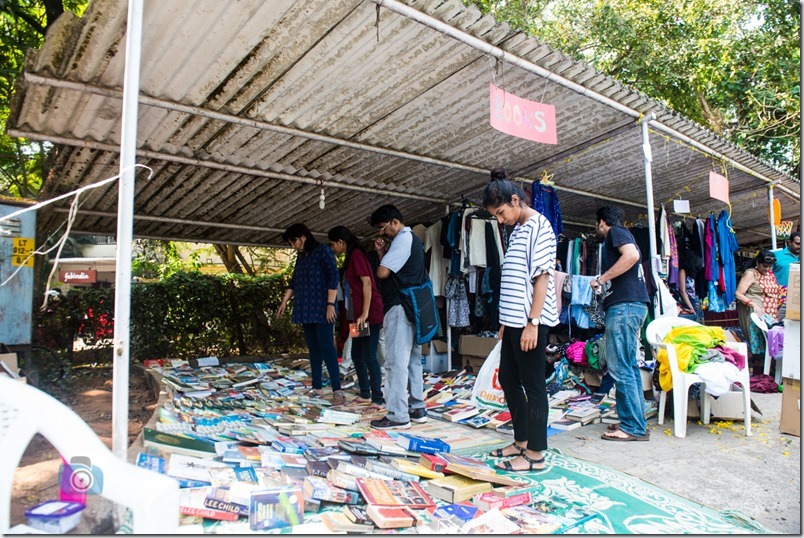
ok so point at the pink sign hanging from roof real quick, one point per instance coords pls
(718, 187)
(522, 118)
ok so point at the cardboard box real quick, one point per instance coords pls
(793, 307)
(435, 362)
(439, 345)
(729, 406)
(791, 354)
(477, 346)
(791, 407)
(592, 379)
(473, 363)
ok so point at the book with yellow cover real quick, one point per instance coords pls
(456, 488)
(415, 468)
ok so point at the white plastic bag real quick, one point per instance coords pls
(487, 392)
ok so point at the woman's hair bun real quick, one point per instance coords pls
(498, 174)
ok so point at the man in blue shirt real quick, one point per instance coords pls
(786, 256)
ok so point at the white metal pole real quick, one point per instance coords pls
(772, 217)
(125, 228)
(446, 313)
(648, 157)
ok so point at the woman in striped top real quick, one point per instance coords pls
(527, 310)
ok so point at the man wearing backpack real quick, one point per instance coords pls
(401, 257)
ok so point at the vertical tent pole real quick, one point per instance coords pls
(125, 219)
(648, 157)
(772, 216)
(446, 317)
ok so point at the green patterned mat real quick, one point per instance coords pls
(629, 505)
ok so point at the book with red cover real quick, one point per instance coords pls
(433, 462)
(391, 517)
(394, 493)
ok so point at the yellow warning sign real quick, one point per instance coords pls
(22, 253)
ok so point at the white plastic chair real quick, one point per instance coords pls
(682, 381)
(759, 322)
(25, 411)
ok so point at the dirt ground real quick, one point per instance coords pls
(88, 392)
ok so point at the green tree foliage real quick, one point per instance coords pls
(186, 315)
(23, 24)
(732, 66)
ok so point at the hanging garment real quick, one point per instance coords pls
(559, 277)
(664, 302)
(438, 269)
(491, 289)
(545, 201)
(458, 311)
(453, 238)
(581, 296)
(672, 266)
(727, 242)
(477, 242)
(714, 262)
(664, 234)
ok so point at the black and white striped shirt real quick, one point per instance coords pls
(531, 252)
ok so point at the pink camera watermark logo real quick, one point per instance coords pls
(80, 477)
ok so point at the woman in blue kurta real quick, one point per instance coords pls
(314, 287)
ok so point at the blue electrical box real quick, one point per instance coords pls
(17, 246)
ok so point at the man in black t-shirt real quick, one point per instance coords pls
(625, 301)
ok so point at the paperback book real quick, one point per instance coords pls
(394, 493)
(276, 508)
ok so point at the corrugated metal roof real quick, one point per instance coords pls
(319, 92)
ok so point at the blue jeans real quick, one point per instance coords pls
(364, 357)
(321, 343)
(623, 322)
(403, 366)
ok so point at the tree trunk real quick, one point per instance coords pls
(53, 10)
(227, 255)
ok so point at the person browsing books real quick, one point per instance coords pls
(403, 263)
(625, 301)
(528, 309)
(364, 308)
(314, 287)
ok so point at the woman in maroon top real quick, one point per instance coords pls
(364, 308)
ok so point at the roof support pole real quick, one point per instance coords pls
(772, 216)
(648, 157)
(125, 229)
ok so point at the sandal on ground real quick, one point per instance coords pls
(499, 452)
(612, 436)
(314, 393)
(338, 398)
(361, 400)
(506, 465)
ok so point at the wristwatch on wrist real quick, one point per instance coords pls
(534, 321)
(330, 304)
